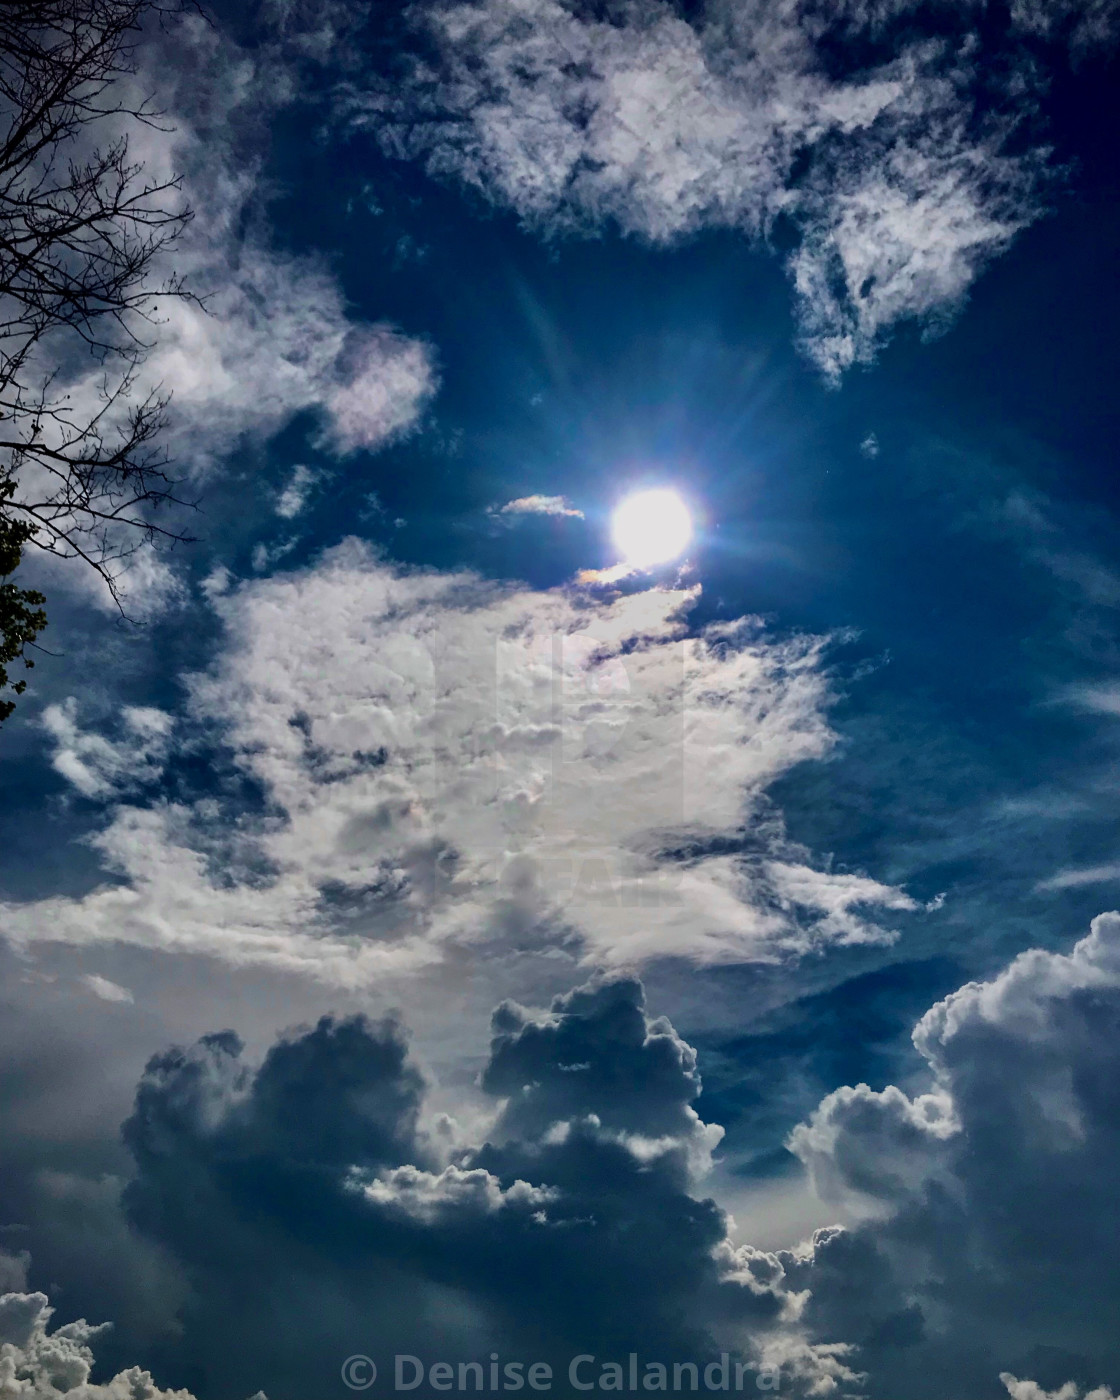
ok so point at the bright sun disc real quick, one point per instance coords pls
(652, 527)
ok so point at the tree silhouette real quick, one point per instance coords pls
(84, 233)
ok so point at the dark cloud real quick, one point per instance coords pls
(997, 1250)
(594, 1053)
(316, 1209)
(317, 1216)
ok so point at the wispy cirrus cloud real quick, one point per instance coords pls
(901, 170)
(275, 336)
(1078, 877)
(1100, 699)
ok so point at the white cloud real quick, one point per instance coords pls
(275, 336)
(296, 493)
(1087, 23)
(886, 1144)
(901, 232)
(539, 505)
(428, 1196)
(39, 1365)
(387, 380)
(835, 899)
(1075, 879)
(450, 762)
(99, 767)
(13, 1271)
(264, 556)
(107, 991)
(1098, 699)
(898, 184)
(870, 1149)
(1029, 1390)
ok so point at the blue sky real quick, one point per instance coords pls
(805, 1050)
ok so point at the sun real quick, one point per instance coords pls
(651, 527)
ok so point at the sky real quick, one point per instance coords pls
(422, 933)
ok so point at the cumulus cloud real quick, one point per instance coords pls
(317, 1186)
(1030, 1390)
(37, 1364)
(430, 1196)
(563, 1232)
(445, 762)
(880, 146)
(990, 1193)
(564, 1070)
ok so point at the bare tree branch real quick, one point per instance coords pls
(84, 231)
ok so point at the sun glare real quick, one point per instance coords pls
(651, 527)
